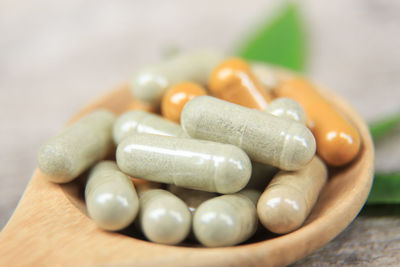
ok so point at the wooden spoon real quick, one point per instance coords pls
(50, 225)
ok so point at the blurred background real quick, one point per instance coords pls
(56, 56)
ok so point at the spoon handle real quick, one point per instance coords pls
(47, 229)
(43, 225)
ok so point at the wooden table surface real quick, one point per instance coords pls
(57, 56)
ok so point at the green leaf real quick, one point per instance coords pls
(279, 41)
(382, 127)
(386, 189)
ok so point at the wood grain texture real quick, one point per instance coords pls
(361, 245)
(49, 218)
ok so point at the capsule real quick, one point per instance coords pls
(151, 83)
(287, 108)
(185, 162)
(192, 198)
(225, 220)
(233, 81)
(69, 154)
(290, 196)
(338, 142)
(163, 217)
(138, 121)
(265, 138)
(110, 197)
(175, 98)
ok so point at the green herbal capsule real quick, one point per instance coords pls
(150, 83)
(110, 197)
(138, 121)
(284, 108)
(163, 217)
(265, 138)
(69, 154)
(225, 220)
(185, 162)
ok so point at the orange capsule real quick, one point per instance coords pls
(234, 81)
(338, 142)
(175, 99)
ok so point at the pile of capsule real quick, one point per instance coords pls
(235, 145)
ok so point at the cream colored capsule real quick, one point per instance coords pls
(163, 217)
(290, 196)
(186, 162)
(225, 220)
(287, 108)
(192, 198)
(265, 138)
(110, 197)
(150, 83)
(138, 121)
(69, 154)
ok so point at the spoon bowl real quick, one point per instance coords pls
(50, 225)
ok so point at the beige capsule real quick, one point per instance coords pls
(69, 154)
(186, 162)
(289, 198)
(110, 197)
(150, 83)
(287, 108)
(163, 217)
(192, 198)
(265, 138)
(225, 220)
(138, 121)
